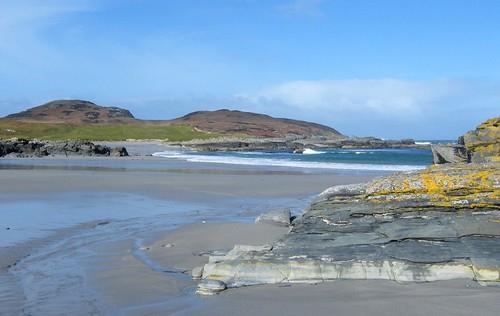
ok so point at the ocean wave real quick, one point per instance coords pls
(423, 143)
(308, 151)
(283, 162)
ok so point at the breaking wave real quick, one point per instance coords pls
(282, 162)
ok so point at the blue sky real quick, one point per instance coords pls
(423, 69)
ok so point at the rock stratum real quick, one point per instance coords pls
(439, 223)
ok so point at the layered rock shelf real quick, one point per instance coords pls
(437, 224)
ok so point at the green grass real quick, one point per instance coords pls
(103, 132)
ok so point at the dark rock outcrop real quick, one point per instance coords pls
(295, 145)
(27, 148)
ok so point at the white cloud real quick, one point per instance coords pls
(392, 97)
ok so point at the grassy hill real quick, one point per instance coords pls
(80, 119)
(109, 132)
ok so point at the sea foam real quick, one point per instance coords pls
(276, 162)
(309, 151)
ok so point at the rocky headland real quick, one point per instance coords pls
(440, 223)
(34, 148)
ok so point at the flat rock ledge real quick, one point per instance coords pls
(436, 224)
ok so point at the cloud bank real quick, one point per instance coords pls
(388, 97)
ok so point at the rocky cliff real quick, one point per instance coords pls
(434, 224)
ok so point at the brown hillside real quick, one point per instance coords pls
(252, 124)
(73, 112)
(224, 122)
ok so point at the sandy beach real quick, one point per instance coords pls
(95, 218)
(121, 236)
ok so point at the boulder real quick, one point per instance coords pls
(210, 287)
(119, 152)
(280, 217)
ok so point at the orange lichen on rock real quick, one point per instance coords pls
(457, 185)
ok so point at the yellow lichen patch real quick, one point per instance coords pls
(457, 186)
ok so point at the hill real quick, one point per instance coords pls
(253, 124)
(78, 119)
(73, 112)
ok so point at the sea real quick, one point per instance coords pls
(404, 159)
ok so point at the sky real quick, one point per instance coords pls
(423, 69)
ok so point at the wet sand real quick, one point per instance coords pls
(89, 269)
(156, 178)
